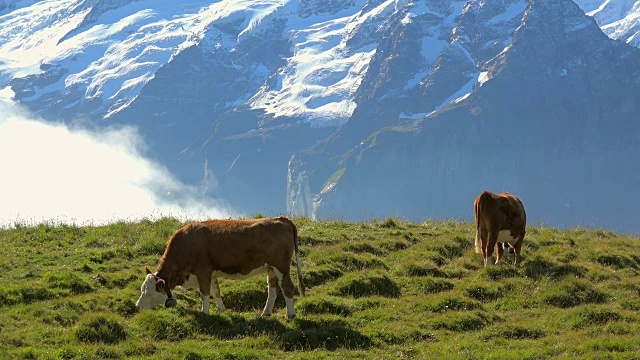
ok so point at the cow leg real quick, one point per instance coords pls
(272, 282)
(286, 285)
(484, 235)
(493, 238)
(215, 292)
(516, 249)
(506, 246)
(499, 253)
(204, 282)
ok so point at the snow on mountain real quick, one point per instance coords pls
(108, 51)
(113, 56)
(322, 74)
(303, 92)
(538, 102)
(619, 19)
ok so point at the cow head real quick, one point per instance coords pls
(154, 291)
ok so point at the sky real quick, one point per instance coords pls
(76, 174)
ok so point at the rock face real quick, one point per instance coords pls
(547, 119)
(619, 19)
(354, 108)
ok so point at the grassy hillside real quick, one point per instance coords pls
(379, 290)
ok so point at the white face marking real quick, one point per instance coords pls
(505, 236)
(149, 297)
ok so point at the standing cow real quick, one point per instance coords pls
(235, 249)
(499, 217)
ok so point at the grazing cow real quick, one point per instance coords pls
(499, 218)
(235, 249)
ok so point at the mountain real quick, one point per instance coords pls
(618, 19)
(352, 108)
(550, 113)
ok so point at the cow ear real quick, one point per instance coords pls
(146, 270)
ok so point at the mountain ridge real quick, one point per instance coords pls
(292, 106)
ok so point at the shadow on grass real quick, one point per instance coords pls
(351, 262)
(572, 292)
(513, 332)
(366, 284)
(539, 267)
(306, 334)
(413, 269)
(465, 321)
(26, 295)
(320, 275)
(483, 292)
(248, 299)
(617, 261)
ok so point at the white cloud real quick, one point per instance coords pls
(54, 173)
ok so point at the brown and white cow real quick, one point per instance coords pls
(499, 218)
(199, 253)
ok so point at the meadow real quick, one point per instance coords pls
(384, 289)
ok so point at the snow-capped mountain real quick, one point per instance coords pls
(96, 56)
(552, 115)
(352, 108)
(619, 19)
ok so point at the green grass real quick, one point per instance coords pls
(385, 289)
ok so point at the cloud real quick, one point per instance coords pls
(61, 174)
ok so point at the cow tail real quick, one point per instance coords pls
(476, 212)
(297, 252)
(295, 245)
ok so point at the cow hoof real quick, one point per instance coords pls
(291, 317)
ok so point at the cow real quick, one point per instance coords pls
(199, 253)
(499, 218)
